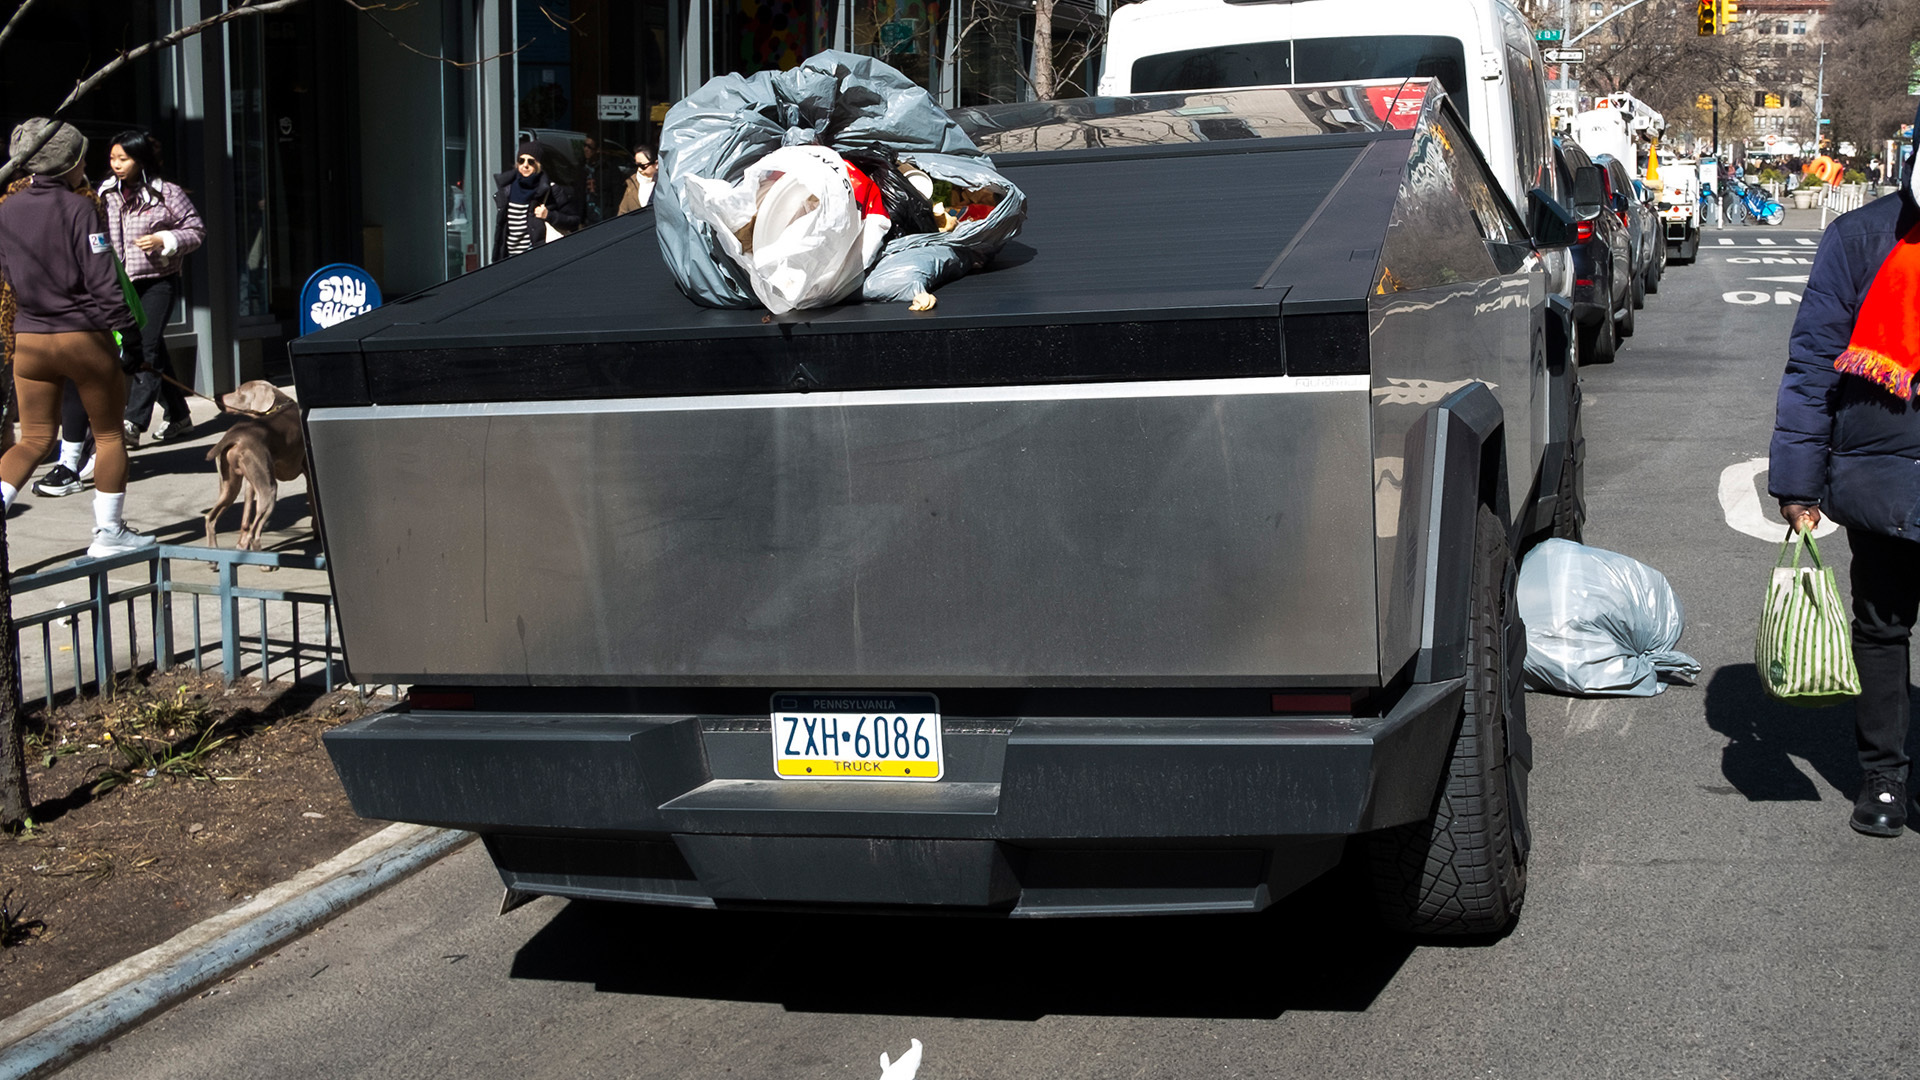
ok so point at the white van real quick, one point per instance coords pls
(1481, 51)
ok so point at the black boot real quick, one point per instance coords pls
(1881, 809)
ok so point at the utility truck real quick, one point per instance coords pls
(1165, 564)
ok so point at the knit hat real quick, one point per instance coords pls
(535, 150)
(62, 152)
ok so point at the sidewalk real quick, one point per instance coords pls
(170, 488)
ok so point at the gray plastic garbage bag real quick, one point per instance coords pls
(841, 100)
(923, 262)
(1599, 623)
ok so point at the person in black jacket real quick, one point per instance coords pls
(526, 200)
(1846, 444)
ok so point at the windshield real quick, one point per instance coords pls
(1308, 60)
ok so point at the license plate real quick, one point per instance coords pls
(856, 737)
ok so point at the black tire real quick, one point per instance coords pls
(1570, 507)
(1460, 872)
(1654, 275)
(1640, 288)
(1628, 321)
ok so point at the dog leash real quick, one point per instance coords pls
(221, 405)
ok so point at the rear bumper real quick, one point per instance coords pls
(1036, 816)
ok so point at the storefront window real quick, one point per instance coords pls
(251, 250)
(769, 35)
(457, 43)
(591, 80)
(908, 34)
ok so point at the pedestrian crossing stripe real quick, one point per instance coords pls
(1804, 242)
(1726, 242)
(1769, 243)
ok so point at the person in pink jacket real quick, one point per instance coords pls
(153, 226)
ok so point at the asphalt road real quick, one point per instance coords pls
(1698, 906)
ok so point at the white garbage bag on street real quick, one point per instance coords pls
(1599, 623)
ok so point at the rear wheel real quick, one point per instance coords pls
(1460, 872)
(1653, 274)
(1627, 321)
(1776, 215)
(1640, 289)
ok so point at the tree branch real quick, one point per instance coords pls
(14, 21)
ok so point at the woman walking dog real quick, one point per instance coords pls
(55, 255)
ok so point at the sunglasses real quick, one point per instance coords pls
(645, 163)
(525, 160)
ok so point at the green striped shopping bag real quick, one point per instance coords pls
(1804, 649)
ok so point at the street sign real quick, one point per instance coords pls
(1547, 35)
(1566, 56)
(619, 106)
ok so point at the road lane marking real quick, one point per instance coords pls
(1726, 241)
(1740, 502)
(1804, 242)
(1768, 243)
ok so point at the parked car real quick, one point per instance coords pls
(1649, 198)
(1602, 253)
(1177, 578)
(1623, 198)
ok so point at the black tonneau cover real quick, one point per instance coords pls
(1171, 243)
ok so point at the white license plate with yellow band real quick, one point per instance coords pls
(856, 737)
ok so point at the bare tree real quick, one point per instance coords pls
(1871, 67)
(1045, 66)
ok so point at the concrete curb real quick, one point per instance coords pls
(44, 1036)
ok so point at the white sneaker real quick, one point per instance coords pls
(116, 541)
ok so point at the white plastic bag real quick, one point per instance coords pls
(791, 222)
(1599, 623)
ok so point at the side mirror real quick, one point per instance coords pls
(1550, 224)
(1589, 192)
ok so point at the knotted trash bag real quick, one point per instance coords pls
(1804, 648)
(1599, 623)
(843, 103)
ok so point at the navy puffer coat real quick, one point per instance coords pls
(1839, 441)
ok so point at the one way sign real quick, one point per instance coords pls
(619, 106)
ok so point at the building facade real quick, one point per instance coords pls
(324, 134)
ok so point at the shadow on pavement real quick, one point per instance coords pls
(1766, 735)
(1318, 950)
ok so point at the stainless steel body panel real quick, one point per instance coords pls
(1189, 533)
(1425, 345)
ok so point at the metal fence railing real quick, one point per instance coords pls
(103, 623)
(1841, 200)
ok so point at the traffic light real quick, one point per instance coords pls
(1773, 101)
(1704, 102)
(1729, 14)
(1709, 17)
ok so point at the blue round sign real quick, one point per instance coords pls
(335, 294)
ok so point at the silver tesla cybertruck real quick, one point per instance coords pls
(1166, 563)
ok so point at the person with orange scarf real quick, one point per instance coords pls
(1846, 445)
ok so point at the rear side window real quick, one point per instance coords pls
(1529, 120)
(1262, 63)
(1309, 60)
